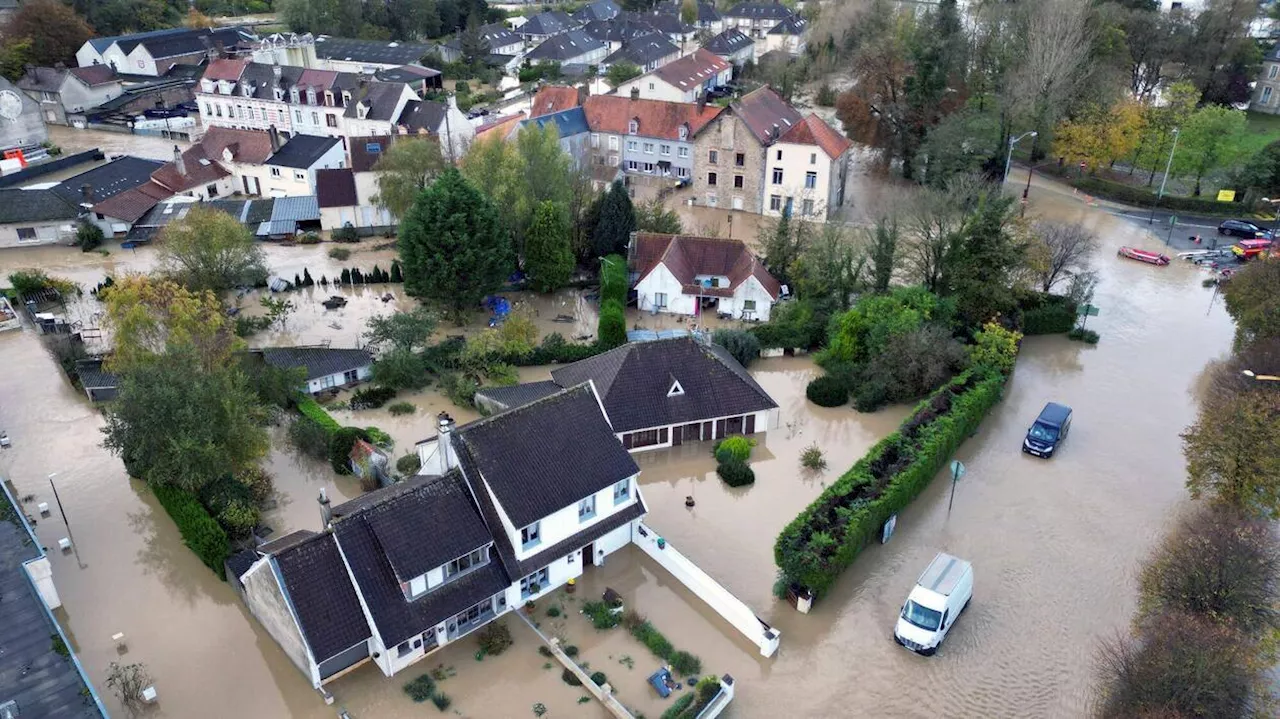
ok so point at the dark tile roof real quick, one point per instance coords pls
(494, 35)
(544, 456)
(567, 122)
(378, 52)
(662, 22)
(279, 544)
(47, 205)
(759, 11)
(42, 79)
(366, 151)
(707, 12)
(321, 593)
(422, 115)
(93, 376)
(409, 74)
(318, 361)
(193, 41)
(791, 25)
(620, 29)
(643, 50)
(518, 395)
(109, 180)
(302, 151)
(397, 618)
(42, 682)
(380, 99)
(729, 42)
(767, 115)
(565, 46)
(633, 382)
(598, 10)
(552, 22)
(241, 562)
(336, 188)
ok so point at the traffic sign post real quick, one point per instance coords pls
(957, 471)
(1086, 311)
(1173, 222)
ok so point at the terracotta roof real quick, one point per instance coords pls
(199, 168)
(336, 188)
(657, 118)
(131, 205)
(813, 131)
(248, 146)
(323, 79)
(94, 75)
(692, 70)
(499, 128)
(688, 257)
(228, 69)
(554, 98)
(763, 110)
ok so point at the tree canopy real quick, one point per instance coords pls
(404, 171)
(617, 221)
(210, 250)
(548, 256)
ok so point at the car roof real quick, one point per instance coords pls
(943, 574)
(1054, 412)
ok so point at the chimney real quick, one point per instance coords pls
(275, 71)
(444, 443)
(178, 162)
(452, 101)
(275, 138)
(86, 192)
(326, 511)
(584, 91)
(635, 93)
(702, 100)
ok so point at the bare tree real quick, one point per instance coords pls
(1054, 64)
(1068, 247)
(933, 225)
(127, 682)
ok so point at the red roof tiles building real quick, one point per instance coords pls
(654, 118)
(700, 268)
(554, 98)
(813, 131)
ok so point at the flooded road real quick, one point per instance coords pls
(1054, 543)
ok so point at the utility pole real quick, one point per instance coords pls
(1168, 165)
(1008, 158)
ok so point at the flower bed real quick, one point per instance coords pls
(829, 534)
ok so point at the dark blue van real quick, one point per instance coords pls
(1050, 428)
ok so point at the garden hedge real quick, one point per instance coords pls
(829, 534)
(311, 408)
(827, 391)
(613, 280)
(1046, 314)
(613, 324)
(200, 531)
(1141, 197)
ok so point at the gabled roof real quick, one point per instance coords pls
(634, 381)
(729, 42)
(302, 151)
(42, 79)
(380, 98)
(688, 257)
(336, 188)
(423, 115)
(620, 29)
(225, 68)
(707, 12)
(190, 42)
(500, 127)
(565, 46)
(106, 181)
(814, 131)
(45, 205)
(95, 75)
(366, 151)
(494, 35)
(544, 456)
(643, 50)
(132, 205)
(792, 25)
(759, 11)
(553, 98)
(320, 590)
(552, 22)
(664, 23)
(379, 52)
(598, 10)
(406, 74)
(248, 146)
(692, 70)
(657, 118)
(567, 122)
(317, 361)
(518, 395)
(766, 114)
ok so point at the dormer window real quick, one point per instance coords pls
(676, 390)
(247, 89)
(293, 95)
(361, 111)
(328, 99)
(207, 85)
(684, 132)
(633, 127)
(279, 94)
(311, 96)
(346, 98)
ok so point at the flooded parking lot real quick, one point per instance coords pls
(1054, 543)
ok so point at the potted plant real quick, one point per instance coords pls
(571, 586)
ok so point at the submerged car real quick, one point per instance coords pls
(1048, 431)
(941, 593)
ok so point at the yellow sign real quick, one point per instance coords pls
(1226, 195)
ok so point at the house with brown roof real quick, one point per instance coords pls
(683, 80)
(67, 93)
(555, 98)
(807, 171)
(692, 275)
(225, 161)
(646, 138)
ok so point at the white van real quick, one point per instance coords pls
(940, 595)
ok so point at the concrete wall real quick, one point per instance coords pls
(732, 609)
(263, 596)
(28, 128)
(41, 574)
(47, 233)
(319, 384)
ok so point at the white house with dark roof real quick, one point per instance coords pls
(683, 80)
(546, 25)
(658, 394)
(502, 513)
(647, 52)
(569, 48)
(691, 275)
(290, 171)
(732, 45)
(326, 368)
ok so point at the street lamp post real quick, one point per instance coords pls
(1260, 377)
(1008, 158)
(1168, 165)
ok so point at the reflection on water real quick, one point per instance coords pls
(1053, 543)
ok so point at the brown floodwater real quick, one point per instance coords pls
(1054, 544)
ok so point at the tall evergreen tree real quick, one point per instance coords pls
(454, 246)
(617, 221)
(548, 256)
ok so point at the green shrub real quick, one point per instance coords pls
(459, 388)
(346, 233)
(442, 701)
(826, 96)
(654, 640)
(1054, 315)
(545, 650)
(601, 616)
(380, 438)
(736, 447)
(409, 464)
(1084, 335)
(371, 397)
(340, 253)
(200, 532)
(570, 651)
(872, 393)
(829, 534)
(613, 324)
(400, 408)
(827, 391)
(685, 664)
(811, 458)
(613, 280)
(736, 473)
(599, 678)
(495, 638)
(1142, 197)
(679, 709)
(568, 677)
(309, 238)
(88, 236)
(420, 689)
(309, 437)
(740, 344)
(340, 445)
(311, 408)
(553, 611)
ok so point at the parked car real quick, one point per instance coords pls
(1241, 228)
(1048, 431)
(941, 594)
(1249, 249)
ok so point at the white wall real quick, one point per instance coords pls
(316, 385)
(797, 161)
(766, 419)
(86, 55)
(563, 523)
(660, 280)
(78, 97)
(653, 87)
(47, 233)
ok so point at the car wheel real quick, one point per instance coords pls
(1224, 231)
(966, 604)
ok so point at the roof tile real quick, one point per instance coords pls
(657, 118)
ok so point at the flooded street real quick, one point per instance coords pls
(1054, 543)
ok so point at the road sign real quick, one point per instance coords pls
(1173, 220)
(1226, 195)
(1087, 311)
(957, 470)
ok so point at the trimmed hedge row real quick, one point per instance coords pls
(830, 533)
(312, 409)
(1130, 195)
(613, 280)
(200, 531)
(1046, 314)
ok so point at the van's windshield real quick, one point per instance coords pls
(922, 617)
(1043, 432)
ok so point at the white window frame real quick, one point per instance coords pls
(587, 509)
(300, 175)
(275, 172)
(622, 490)
(682, 152)
(777, 176)
(531, 535)
(807, 207)
(1266, 95)
(417, 586)
(541, 578)
(810, 180)
(775, 203)
(660, 299)
(648, 148)
(613, 143)
(1273, 71)
(633, 146)
(665, 150)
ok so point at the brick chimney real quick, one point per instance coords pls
(275, 138)
(178, 162)
(86, 192)
(635, 93)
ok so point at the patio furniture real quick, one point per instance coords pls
(662, 682)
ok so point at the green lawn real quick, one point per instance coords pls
(1263, 130)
